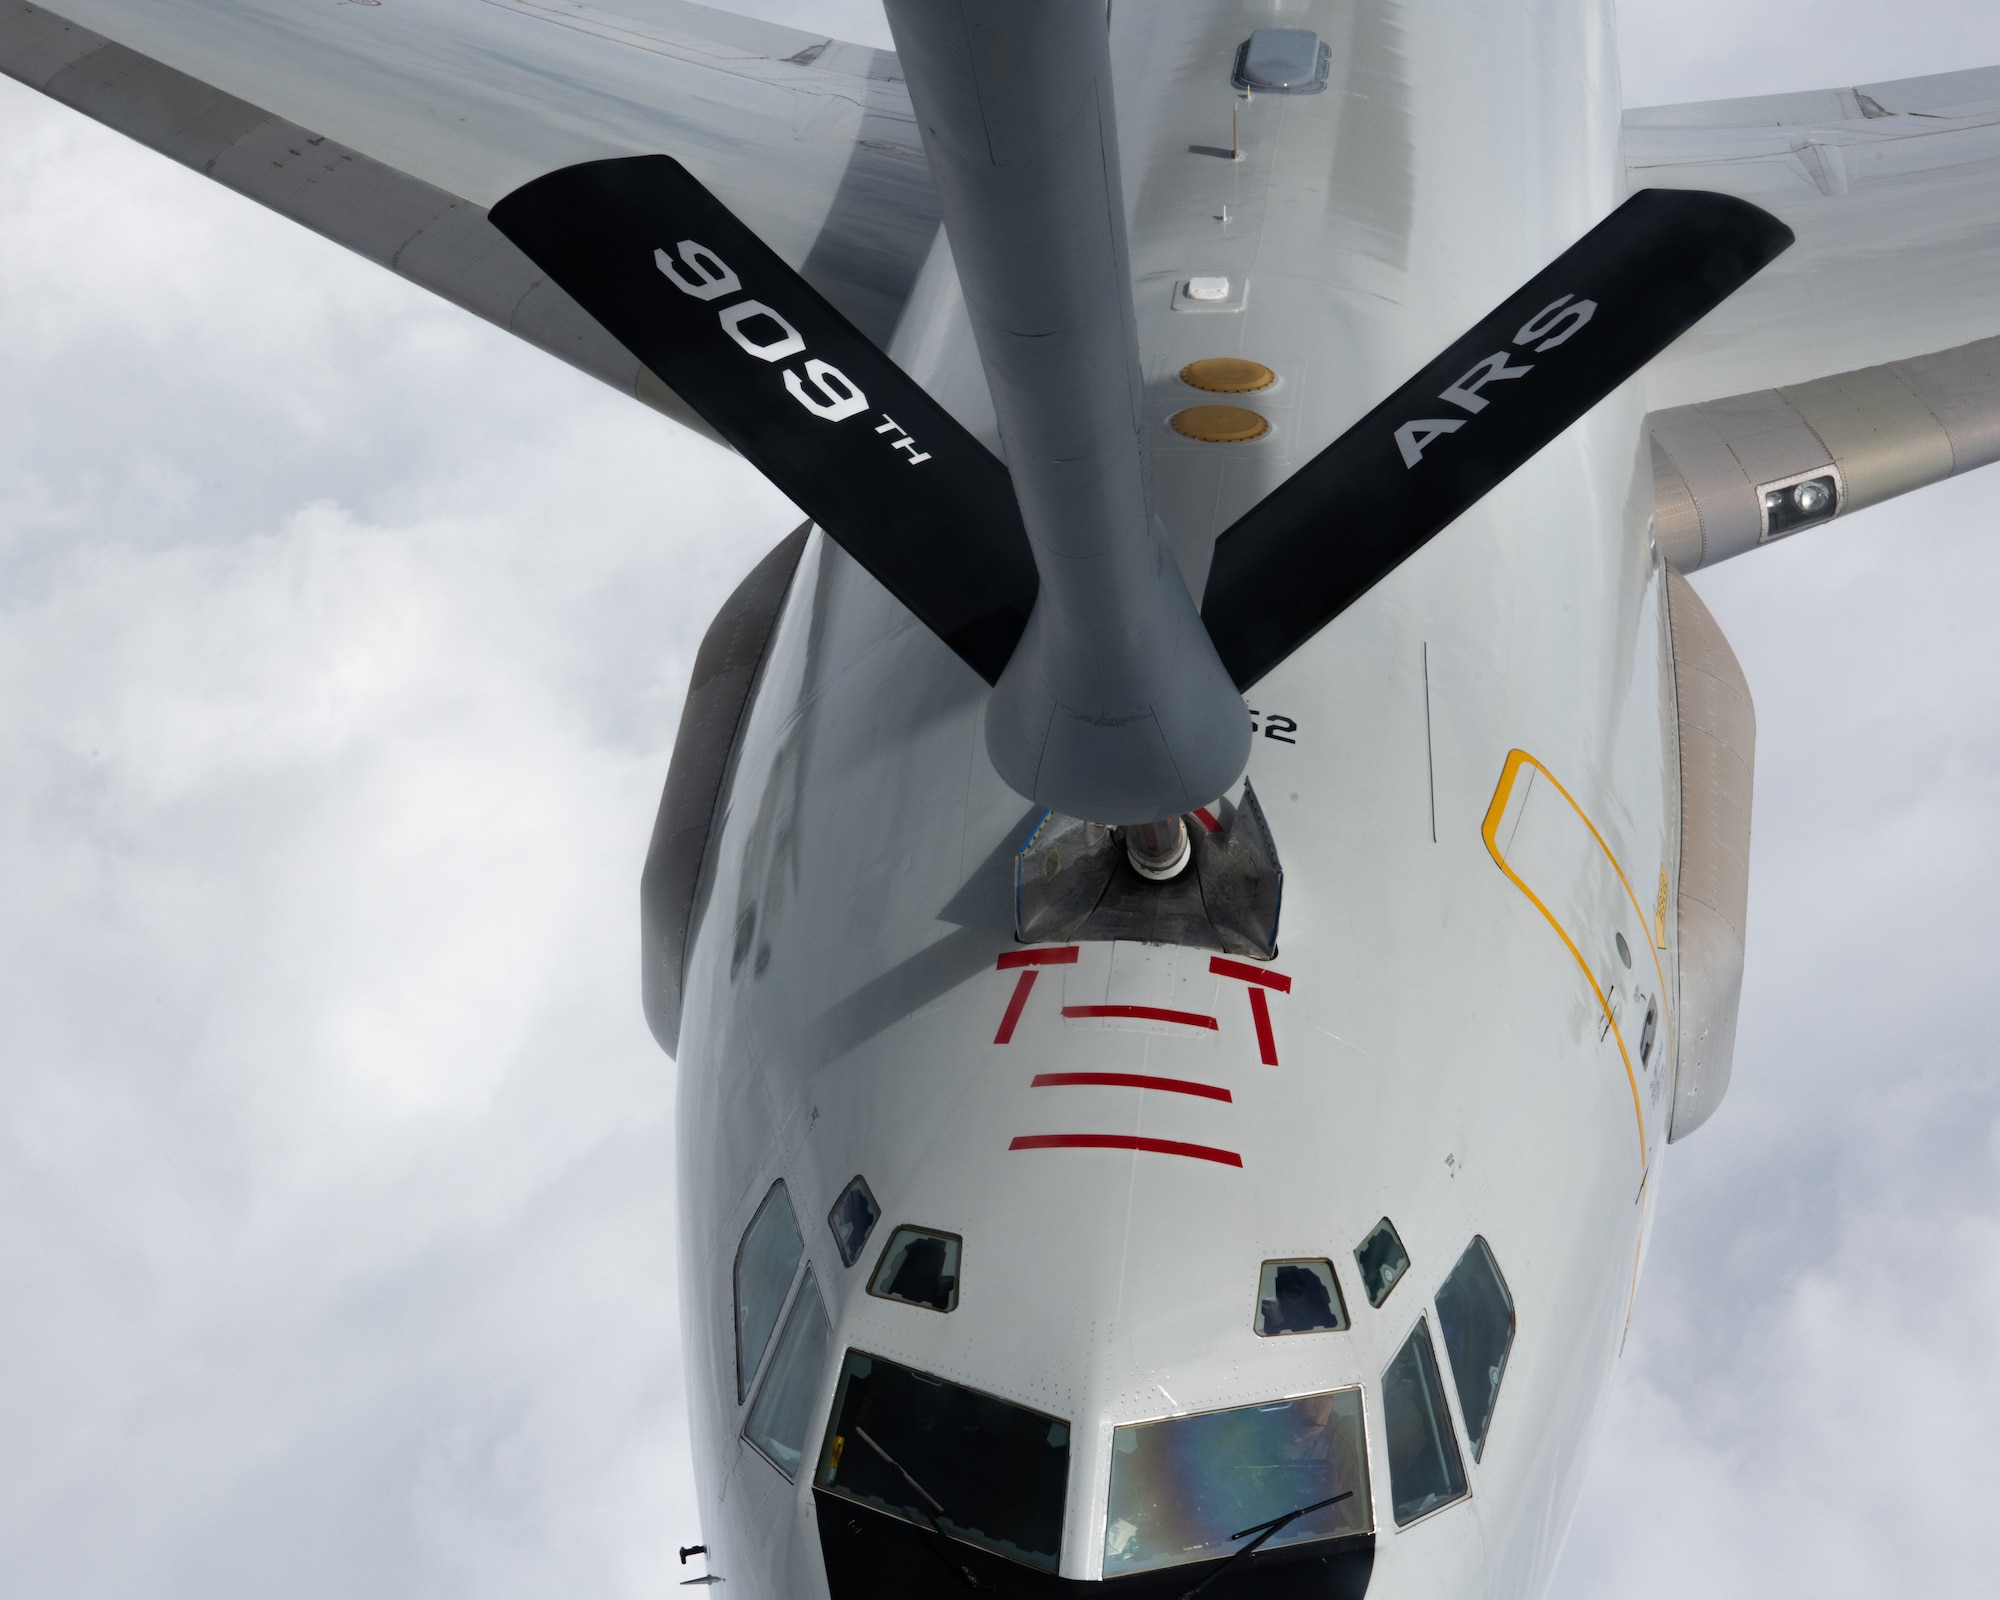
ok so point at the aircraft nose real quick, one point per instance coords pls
(925, 1481)
(871, 1555)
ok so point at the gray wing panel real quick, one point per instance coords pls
(1894, 192)
(809, 140)
(1900, 97)
(432, 238)
(1875, 433)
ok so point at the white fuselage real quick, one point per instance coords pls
(1459, 1049)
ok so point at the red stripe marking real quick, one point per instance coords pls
(1129, 1080)
(1125, 1141)
(1189, 1019)
(1207, 819)
(1260, 1013)
(1222, 966)
(1014, 1006)
(1062, 956)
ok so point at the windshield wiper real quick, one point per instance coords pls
(958, 1568)
(1265, 1530)
(862, 1434)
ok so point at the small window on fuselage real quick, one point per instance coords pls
(919, 1268)
(1299, 1297)
(852, 1219)
(1424, 1469)
(780, 1419)
(1476, 1322)
(765, 1261)
(1382, 1260)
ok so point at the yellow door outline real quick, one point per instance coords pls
(1489, 831)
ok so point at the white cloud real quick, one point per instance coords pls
(341, 650)
(858, 21)
(1679, 50)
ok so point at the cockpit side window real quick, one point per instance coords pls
(919, 1268)
(765, 1261)
(1476, 1322)
(1424, 1469)
(1382, 1260)
(1299, 1297)
(784, 1408)
(946, 1457)
(852, 1219)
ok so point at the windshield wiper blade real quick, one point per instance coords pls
(1276, 1523)
(1264, 1530)
(862, 1434)
(958, 1568)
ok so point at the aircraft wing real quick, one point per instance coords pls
(1893, 190)
(391, 129)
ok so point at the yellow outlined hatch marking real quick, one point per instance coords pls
(1489, 831)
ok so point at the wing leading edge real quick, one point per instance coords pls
(391, 130)
(1893, 190)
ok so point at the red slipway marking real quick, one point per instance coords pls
(1014, 1006)
(1260, 1013)
(1125, 1141)
(1222, 966)
(1207, 819)
(1060, 956)
(1129, 1080)
(1259, 979)
(1187, 1019)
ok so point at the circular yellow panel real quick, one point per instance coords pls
(1227, 375)
(1219, 424)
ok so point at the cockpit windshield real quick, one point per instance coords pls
(949, 1458)
(1184, 1488)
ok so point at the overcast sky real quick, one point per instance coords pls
(342, 642)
